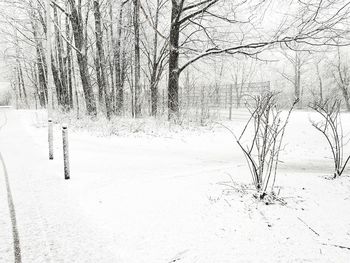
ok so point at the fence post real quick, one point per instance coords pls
(203, 115)
(65, 152)
(231, 102)
(50, 139)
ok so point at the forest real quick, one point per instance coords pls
(164, 58)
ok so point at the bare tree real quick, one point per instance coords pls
(331, 127)
(241, 75)
(341, 75)
(79, 29)
(101, 60)
(155, 50)
(137, 62)
(135, 40)
(298, 59)
(119, 59)
(320, 80)
(263, 134)
(318, 26)
(59, 67)
(40, 58)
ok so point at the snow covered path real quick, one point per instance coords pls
(50, 224)
(144, 199)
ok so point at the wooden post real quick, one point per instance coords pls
(202, 107)
(50, 139)
(65, 152)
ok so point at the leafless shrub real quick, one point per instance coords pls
(261, 142)
(331, 127)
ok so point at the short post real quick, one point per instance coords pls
(65, 152)
(50, 139)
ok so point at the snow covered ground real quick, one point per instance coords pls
(162, 197)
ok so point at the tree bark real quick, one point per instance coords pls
(63, 96)
(100, 58)
(155, 64)
(119, 101)
(297, 81)
(137, 65)
(80, 44)
(22, 84)
(68, 63)
(320, 83)
(111, 55)
(173, 81)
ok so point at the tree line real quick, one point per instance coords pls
(108, 49)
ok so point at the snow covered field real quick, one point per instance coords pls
(167, 197)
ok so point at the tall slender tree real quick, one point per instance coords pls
(137, 62)
(100, 59)
(80, 41)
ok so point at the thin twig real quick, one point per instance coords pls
(309, 227)
(338, 246)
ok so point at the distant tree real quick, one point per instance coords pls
(155, 48)
(133, 41)
(120, 62)
(101, 62)
(241, 75)
(81, 45)
(341, 75)
(315, 24)
(137, 59)
(319, 79)
(298, 59)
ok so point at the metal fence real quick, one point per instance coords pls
(201, 102)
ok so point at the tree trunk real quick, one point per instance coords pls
(154, 95)
(154, 74)
(57, 81)
(61, 69)
(111, 55)
(297, 81)
(68, 63)
(22, 85)
(100, 57)
(119, 101)
(80, 44)
(98, 79)
(320, 83)
(137, 65)
(18, 86)
(173, 81)
(40, 63)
